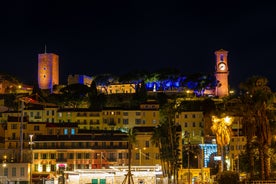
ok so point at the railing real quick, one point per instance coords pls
(61, 160)
(78, 147)
(260, 182)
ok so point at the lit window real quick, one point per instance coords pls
(65, 131)
(72, 131)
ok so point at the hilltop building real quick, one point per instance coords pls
(222, 72)
(79, 79)
(48, 70)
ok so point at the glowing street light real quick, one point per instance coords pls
(31, 143)
(140, 154)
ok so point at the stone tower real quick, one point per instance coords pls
(48, 70)
(222, 73)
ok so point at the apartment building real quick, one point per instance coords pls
(192, 125)
(67, 145)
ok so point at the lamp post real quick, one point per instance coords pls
(189, 175)
(4, 164)
(101, 159)
(31, 148)
(140, 155)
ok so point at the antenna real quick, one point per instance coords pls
(45, 49)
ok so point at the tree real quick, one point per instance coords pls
(254, 106)
(228, 177)
(223, 130)
(260, 96)
(166, 136)
(140, 95)
(75, 94)
(131, 140)
(96, 100)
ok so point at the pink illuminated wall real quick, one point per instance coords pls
(48, 70)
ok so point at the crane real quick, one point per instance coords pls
(28, 100)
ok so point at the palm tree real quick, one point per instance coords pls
(261, 99)
(241, 107)
(166, 136)
(221, 127)
(131, 140)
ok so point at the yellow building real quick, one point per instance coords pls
(119, 118)
(192, 124)
(79, 79)
(62, 146)
(86, 119)
(144, 153)
(117, 88)
(15, 172)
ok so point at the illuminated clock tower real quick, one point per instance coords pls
(48, 70)
(222, 73)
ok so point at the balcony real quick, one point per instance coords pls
(109, 147)
(61, 160)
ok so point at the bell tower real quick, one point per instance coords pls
(222, 73)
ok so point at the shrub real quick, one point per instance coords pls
(228, 177)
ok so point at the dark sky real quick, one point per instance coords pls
(116, 36)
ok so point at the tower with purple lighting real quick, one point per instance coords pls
(48, 70)
(222, 73)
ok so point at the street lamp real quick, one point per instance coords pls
(188, 149)
(4, 164)
(31, 148)
(140, 155)
(101, 159)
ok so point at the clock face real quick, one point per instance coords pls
(222, 66)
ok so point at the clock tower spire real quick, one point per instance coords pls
(222, 73)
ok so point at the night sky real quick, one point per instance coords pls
(95, 37)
